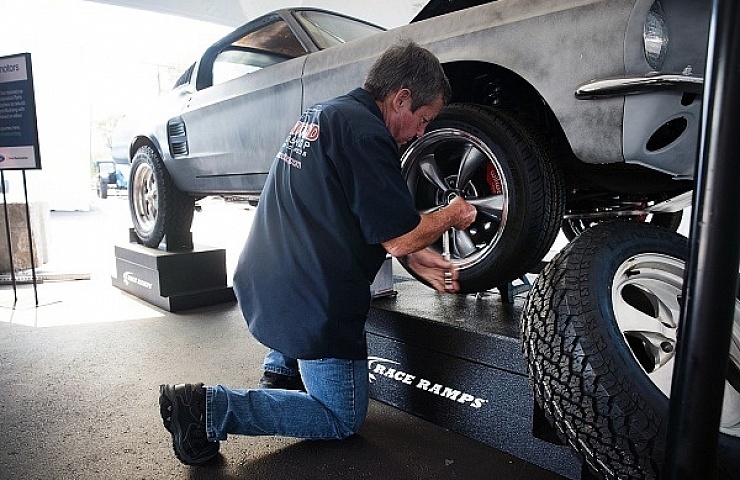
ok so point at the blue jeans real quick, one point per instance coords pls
(276, 362)
(333, 407)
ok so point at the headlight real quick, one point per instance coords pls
(655, 36)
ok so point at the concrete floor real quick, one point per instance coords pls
(79, 376)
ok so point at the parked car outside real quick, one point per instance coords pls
(564, 113)
(111, 173)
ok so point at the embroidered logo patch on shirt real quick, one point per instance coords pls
(300, 138)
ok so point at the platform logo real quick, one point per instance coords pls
(385, 368)
(130, 279)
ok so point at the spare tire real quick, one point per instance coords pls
(599, 335)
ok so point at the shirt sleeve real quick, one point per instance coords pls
(375, 188)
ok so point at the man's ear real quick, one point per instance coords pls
(401, 98)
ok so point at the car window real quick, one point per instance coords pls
(328, 30)
(258, 49)
(235, 62)
(276, 37)
(185, 77)
(106, 167)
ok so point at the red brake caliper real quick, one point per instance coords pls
(494, 180)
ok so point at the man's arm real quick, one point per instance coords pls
(431, 266)
(458, 214)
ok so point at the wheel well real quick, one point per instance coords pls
(139, 142)
(495, 86)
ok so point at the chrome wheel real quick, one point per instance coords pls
(144, 191)
(645, 298)
(448, 163)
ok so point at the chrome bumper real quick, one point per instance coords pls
(619, 87)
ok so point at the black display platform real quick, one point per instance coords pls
(455, 360)
(173, 280)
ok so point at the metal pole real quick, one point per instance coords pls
(9, 240)
(30, 241)
(712, 271)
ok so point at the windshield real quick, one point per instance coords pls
(328, 30)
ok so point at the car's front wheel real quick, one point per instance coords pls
(599, 331)
(157, 206)
(505, 171)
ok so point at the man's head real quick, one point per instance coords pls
(410, 87)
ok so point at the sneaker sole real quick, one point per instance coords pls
(165, 409)
(167, 396)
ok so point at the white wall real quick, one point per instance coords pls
(93, 60)
(90, 61)
(59, 80)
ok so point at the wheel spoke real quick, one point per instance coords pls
(462, 244)
(632, 320)
(661, 347)
(654, 298)
(647, 310)
(430, 170)
(492, 205)
(663, 377)
(471, 161)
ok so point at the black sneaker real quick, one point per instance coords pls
(285, 382)
(183, 411)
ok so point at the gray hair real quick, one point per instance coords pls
(407, 65)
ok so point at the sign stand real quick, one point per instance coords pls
(19, 143)
(7, 236)
(10, 244)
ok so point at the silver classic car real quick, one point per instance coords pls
(565, 114)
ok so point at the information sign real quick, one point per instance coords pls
(19, 142)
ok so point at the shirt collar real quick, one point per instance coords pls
(365, 98)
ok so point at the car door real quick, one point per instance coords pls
(248, 95)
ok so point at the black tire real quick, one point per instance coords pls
(508, 175)
(157, 206)
(102, 188)
(668, 220)
(598, 335)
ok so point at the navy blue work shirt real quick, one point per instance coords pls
(334, 193)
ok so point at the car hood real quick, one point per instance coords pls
(435, 8)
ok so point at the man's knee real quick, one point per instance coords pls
(347, 429)
(350, 424)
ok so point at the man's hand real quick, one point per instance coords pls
(464, 213)
(459, 214)
(431, 267)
